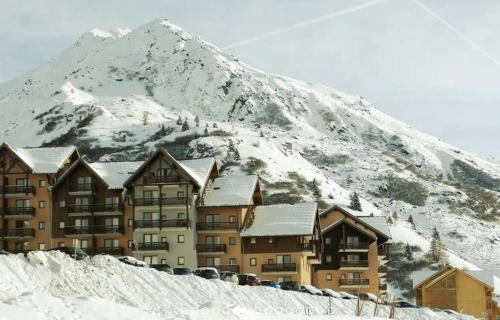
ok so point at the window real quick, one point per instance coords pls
(181, 216)
(130, 243)
(180, 238)
(180, 261)
(253, 240)
(41, 204)
(212, 240)
(283, 259)
(328, 240)
(233, 219)
(151, 259)
(329, 277)
(130, 222)
(270, 240)
(328, 259)
(111, 243)
(61, 224)
(211, 261)
(61, 244)
(62, 204)
(163, 261)
(232, 261)
(84, 183)
(270, 261)
(180, 194)
(41, 246)
(41, 225)
(23, 203)
(82, 243)
(42, 183)
(232, 241)
(253, 261)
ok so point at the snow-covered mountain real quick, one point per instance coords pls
(117, 94)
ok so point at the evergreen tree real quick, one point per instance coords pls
(145, 116)
(179, 121)
(315, 189)
(408, 252)
(205, 132)
(410, 220)
(261, 134)
(436, 246)
(435, 234)
(185, 126)
(197, 121)
(355, 203)
(214, 125)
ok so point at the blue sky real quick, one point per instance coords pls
(396, 55)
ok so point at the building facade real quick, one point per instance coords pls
(27, 173)
(355, 252)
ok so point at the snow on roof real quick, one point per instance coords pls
(419, 276)
(282, 220)
(115, 173)
(377, 222)
(230, 191)
(44, 160)
(199, 169)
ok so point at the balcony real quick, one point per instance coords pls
(12, 191)
(359, 246)
(147, 202)
(218, 226)
(112, 251)
(77, 209)
(161, 179)
(19, 212)
(382, 269)
(383, 287)
(280, 267)
(279, 246)
(354, 282)
(88, 230)
(211, 248)
(347, 264)
(151, 246)
(107, 209)
(224, 267)
(81, 189)
(18, 233)
(161, 224)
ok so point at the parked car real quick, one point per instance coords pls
(75, 253)
(270, 283)
(330, 293)
(405, 304)
(311, 290)
(369, 297)
(290, 285)
(180, 271)
(229, 276)
(162, 267)
(133, 261)
(346, 295)
(248, 279)
(207, 273)
(4, 253)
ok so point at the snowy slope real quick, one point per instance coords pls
(54, 286)
(116, 94)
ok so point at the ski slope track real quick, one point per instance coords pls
(54, 286)
(112, 92)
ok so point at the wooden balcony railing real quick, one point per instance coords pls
(169, 223)
(158, 201)
(279, 267)
(151, 246)
(18, 232)
(161, 179)
(354, 263)
(17, 189)
(100, 207)
(355, 246)
(211, 247)
(277, 246)
(20, 211)
(354, 282)
(217, 226)
(96, 229)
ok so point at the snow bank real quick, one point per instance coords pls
(53, 286)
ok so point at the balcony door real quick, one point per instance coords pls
(150, 194)
(111, 202)
(111, 224)
(82, 203)
(353, 258)
(82, 224)
(23, 203)
(212, 240)
(111, 243)
(213, 261)
(212, 221)
(83, 183)
(22, 224)
(82, 244)
(352, 242)
(21, 184)
(283, 259)
(150, 238)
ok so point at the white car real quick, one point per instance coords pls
(312, 290)
(330, 293)
(229, 277)
(133, 261)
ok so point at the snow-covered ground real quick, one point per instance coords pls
(54, 286)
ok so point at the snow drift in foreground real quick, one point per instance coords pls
(53, 286)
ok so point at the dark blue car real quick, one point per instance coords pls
(270, 283)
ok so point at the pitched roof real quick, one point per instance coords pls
(230, 191)
(378, 224)
(283, 220)
(354, 225)
(44, 160)
(198, 169)
(114, 174)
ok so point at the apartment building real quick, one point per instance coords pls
(476, 293)
(355, 252)
(282, 242)
(222, 212)
(27, 173)
(89, 208)
(163, 193)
